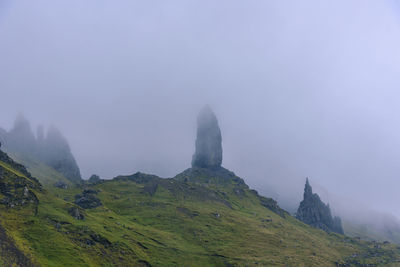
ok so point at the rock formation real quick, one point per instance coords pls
(208, 152)
(52, 149)
(337, 225)
(21, 137)
(87, 199)
(314, 212)
(17, 187)
(57, 154)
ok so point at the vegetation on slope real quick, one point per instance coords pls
(211, 220)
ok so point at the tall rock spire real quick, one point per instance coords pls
(208, 152)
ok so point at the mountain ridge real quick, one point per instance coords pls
(201, 217)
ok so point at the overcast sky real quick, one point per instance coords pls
(300, 88)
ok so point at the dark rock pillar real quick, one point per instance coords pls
(208, 152)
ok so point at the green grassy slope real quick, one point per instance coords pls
(145, 220)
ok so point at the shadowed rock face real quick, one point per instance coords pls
(314, 212)
(208, 152)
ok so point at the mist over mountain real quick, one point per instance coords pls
(205, 215)
(300, 89)
(52, 148)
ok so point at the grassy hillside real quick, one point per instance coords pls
(198, 219)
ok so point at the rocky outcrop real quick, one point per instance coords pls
(52, 149)
(16, 166)
(88, 199)
(17, 186)
(208, 152)
(314, 212)
(203, 176)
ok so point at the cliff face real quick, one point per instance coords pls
(208, 152)
(314, 212)
(52, 148)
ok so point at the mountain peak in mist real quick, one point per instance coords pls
(52, 149)
(208, 152)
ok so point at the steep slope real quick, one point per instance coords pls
(47, 175)
(18, 191)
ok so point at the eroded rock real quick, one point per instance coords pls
(87, 199)
(314, 212)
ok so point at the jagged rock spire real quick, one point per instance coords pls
(314, 212)
(208, 152)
